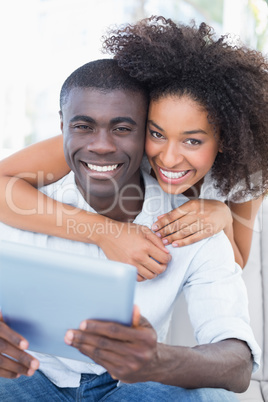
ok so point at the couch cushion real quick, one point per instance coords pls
(265, 284)
(264, 389)
(252, 275)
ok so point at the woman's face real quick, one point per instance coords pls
(181, 145)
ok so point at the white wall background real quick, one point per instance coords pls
(43, 41)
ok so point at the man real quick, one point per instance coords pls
(103, 116)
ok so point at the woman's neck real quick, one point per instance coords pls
(194, 192)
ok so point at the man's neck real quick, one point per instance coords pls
(123, 207)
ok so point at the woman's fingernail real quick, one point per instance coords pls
(165, 241)
(155, 226)
(175, 245)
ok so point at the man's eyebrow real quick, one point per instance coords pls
(124, 119)
(81, 117)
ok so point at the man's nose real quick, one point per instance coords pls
(102, 143)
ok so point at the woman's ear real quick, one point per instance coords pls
(220, 147)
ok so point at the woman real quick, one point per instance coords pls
(224, 88)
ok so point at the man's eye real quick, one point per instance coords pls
(192, 141)
(82, 127)
(122, 129)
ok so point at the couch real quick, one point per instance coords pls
(255, 275)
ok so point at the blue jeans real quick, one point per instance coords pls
(103, 388)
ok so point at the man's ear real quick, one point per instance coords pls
(61, 121)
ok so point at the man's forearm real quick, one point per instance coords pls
(226, 364)
(132, 354)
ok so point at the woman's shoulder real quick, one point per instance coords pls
(210, 191)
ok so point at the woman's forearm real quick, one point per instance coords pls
(241, 231)
(239, 258)
(25, 207)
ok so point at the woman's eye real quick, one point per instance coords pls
(156, 134)
(192, 141)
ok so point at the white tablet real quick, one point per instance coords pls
(43, 293)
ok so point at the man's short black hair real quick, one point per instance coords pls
(104, 75)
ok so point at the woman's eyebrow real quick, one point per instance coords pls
(188, 132)
(196, 131)
(155, 125)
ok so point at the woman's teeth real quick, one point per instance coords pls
(173, 175)
(97, 168)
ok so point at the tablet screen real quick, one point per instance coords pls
(43, 293)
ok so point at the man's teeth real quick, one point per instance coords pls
(97, 168)
(173, 175)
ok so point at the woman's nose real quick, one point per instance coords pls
(171, 157)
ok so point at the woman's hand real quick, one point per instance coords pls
(136, 245)
(193, 221)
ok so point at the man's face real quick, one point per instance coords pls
(104, 139)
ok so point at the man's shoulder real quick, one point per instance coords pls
(66, 191)
(217, 246)
(213, 253)
(68, 180)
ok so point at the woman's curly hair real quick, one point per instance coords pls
(229, 80)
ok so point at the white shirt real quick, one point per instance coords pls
(211, 192)
(205, 271)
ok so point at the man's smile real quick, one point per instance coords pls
(99, 168)
(102, 171)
